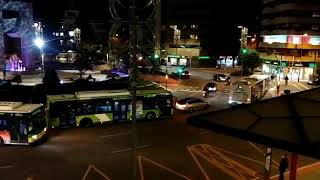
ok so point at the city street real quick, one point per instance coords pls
(165, 149)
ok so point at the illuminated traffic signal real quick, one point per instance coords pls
(156, 56)
(244, 51)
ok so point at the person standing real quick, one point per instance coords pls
(283, 166)
(286, 80)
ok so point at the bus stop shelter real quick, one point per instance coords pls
(289, 122)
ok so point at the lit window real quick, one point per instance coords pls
(315, 28)
(194, 26)
(316, 15)
(193, 36)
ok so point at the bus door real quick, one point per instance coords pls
(67, 115)
(18, 128)
(120, 112)
(165, 103)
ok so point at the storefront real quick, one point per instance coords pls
(296, 71)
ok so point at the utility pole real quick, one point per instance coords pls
(157, 27)
(244, 38)
(133, 53)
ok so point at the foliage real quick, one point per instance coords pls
(249, 60)
(51, 78)
(82, 63)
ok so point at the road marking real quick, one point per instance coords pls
(304, 86)
(5, 167)
(113, 135)
(204, 132)
(214, 98)
(188, 90)
(95, 169)
(129, 149)
(262, 152)
(218, 159)
(140, 158)
(299, 88)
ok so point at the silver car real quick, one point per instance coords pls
(191, 104)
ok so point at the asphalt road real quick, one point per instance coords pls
(166, 149)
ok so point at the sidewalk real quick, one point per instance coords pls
(293, 86)
(309, 172)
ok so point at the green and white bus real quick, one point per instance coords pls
(95, 107)
(21, 123)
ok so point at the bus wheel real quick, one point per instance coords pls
(86, 122)
(1, 141)
(150, 116)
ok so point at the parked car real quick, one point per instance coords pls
(191, 104)
(221, 77)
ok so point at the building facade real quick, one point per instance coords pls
(290, 37)
(185, 28)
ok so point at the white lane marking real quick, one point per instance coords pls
(299, 88)
(113, 135)
(188, 90)
(262, 152)
(214, 98)
(6, 167)
(129, 149)
(204, 132)
(304, 86)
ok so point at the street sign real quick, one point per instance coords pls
(267, 167)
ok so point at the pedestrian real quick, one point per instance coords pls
(278, 89)
(284, 164)
(286, 79)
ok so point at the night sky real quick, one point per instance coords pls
(224, 17)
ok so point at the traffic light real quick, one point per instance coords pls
(244, 51)
(156, 56)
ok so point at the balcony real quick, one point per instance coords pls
(289, 20)
(290, 6)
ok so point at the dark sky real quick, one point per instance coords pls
(225, 16)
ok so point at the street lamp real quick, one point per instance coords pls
(39, 42)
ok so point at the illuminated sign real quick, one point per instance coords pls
(275, 39)
(203, 57)
(314, 40)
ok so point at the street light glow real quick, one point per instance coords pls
(39, 42)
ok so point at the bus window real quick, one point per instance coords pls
(103, 107)
(4, 125)
(116, 106)
(150, 103)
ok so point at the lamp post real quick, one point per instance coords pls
(39, 42)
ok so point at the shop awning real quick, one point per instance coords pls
(289, 122)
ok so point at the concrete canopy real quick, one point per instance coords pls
(289, 122)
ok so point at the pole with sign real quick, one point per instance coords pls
(267, 167)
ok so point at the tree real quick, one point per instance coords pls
(249, 59)
(82, 64)
(51, 78)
